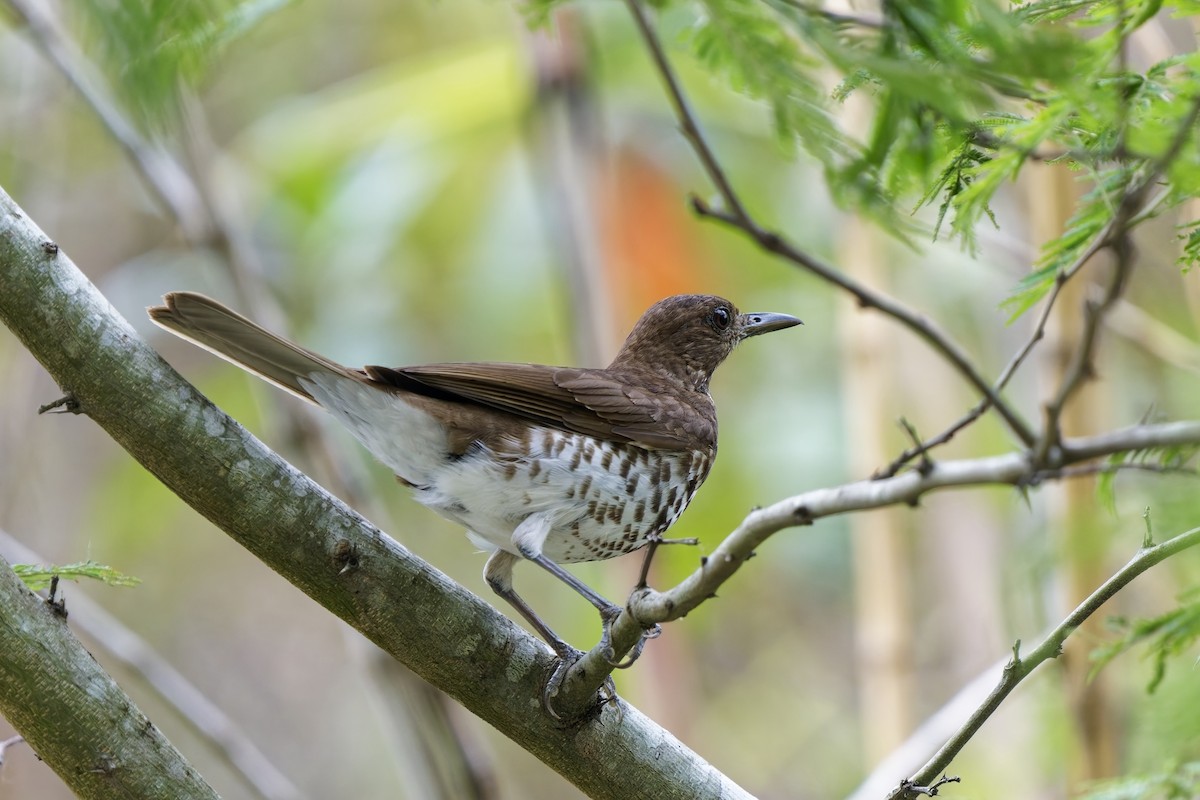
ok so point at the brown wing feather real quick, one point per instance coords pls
(592, 402)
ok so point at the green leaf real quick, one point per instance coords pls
(1190, 235)
(1029, 291)
(1170, 634)
(1175, 783)
(148, 47)
(744, 41)
(38, 577)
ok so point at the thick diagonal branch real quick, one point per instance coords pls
(439, 630)
(73, 714)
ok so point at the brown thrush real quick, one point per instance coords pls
(550, 464)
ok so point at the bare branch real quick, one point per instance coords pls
(1018, 667)
(11, 741)
(647, 606)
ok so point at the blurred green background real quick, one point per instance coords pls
(424, 181)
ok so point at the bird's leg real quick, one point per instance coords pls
(652, 544)
(644, 575)
(498, 574)
(528, 537)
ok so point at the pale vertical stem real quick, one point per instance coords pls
(882, 564)
(435, 758)
(882, 554)
(568, 156)
(1191, 211)
(882, 557)
(1052, 197)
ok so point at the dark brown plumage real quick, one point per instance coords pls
(550, 464)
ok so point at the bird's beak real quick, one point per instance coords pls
(765, 322)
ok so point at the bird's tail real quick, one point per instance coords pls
(231, 336)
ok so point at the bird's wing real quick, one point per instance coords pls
(591, 402)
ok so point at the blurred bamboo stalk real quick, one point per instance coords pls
(1052, 198)
(438, 759)
(568, 154)
(882, 568)
(883, 622)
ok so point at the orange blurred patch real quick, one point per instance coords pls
(649, 237)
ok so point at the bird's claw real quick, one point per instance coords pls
(608, 652)
(567, 658)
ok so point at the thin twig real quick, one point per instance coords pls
(1018, 667)
(736, 215)
(7, 743)
(1081, 368)
(646, 606)
(1098, 243)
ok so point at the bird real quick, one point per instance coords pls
(553, 465)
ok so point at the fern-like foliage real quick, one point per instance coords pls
(1174, 458)
(958, 96)
(1164, 637)
(153, 48)
(1180, 782)
(38, 576)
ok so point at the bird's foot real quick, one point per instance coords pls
(607, 617)
(567, 658)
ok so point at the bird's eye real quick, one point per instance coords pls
(721, 318)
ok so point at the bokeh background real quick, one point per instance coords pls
(410, 182)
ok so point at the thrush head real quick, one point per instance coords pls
(688, 336)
